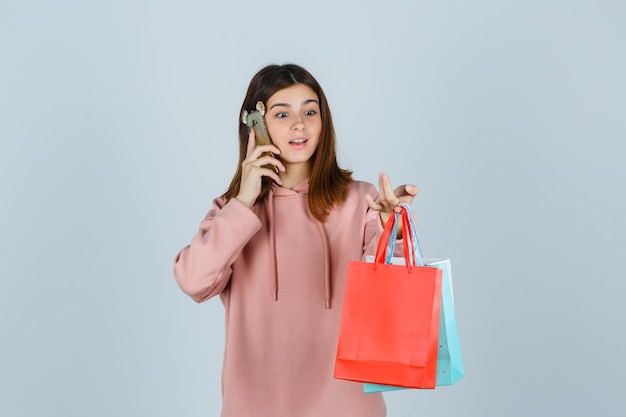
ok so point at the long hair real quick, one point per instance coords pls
(328, 183)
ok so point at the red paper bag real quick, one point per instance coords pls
(389, 328)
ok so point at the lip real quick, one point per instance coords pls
(300, 144)
(300, 140)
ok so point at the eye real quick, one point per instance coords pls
(281, 115)
(310, 112)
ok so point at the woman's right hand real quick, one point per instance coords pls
(252, 171)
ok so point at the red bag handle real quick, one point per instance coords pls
(407, 233)
(381, 250)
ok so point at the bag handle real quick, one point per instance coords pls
(391, 229)
(409, 219)
(413, 251)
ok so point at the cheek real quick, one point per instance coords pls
(319, 133)
(316, 144)
(272, 130)
(277, 124)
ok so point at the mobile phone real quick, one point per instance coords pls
(255, 119)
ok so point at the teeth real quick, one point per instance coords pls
(298, 141)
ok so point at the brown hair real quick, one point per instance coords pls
(328, 183)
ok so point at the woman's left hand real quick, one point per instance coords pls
(389, 199)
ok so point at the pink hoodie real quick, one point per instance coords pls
(281, 275)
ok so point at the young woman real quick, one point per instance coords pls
(275, 248)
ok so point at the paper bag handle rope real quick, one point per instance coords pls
(413, 252)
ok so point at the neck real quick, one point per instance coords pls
(294, 174)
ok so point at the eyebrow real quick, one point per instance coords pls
(304, 103)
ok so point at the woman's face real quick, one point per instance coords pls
(294, 123)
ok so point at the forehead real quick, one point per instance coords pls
(294, 94)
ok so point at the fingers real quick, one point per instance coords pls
(372, 204)
(251, 179)
(259, 162)
(251, 142)
(406, 193)
(258, 155)
(389, 199)
(266, 160)
(409, 190)
(262, 166)
(268, 172)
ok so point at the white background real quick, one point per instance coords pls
(118, 124)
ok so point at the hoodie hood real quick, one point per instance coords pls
(299, 191)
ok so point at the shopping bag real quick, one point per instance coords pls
(449, 360)
(389, 328)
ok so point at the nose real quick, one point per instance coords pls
(298, 123)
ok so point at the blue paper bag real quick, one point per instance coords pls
(449, 360)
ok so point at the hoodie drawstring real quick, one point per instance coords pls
(272, 243)
(272, 233)
(326, 249)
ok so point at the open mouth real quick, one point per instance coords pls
(298, 141)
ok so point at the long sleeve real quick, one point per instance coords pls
(270, 265)
(203, 268)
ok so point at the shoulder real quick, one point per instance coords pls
(355, 201)
(354, 212)
(361, 188)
